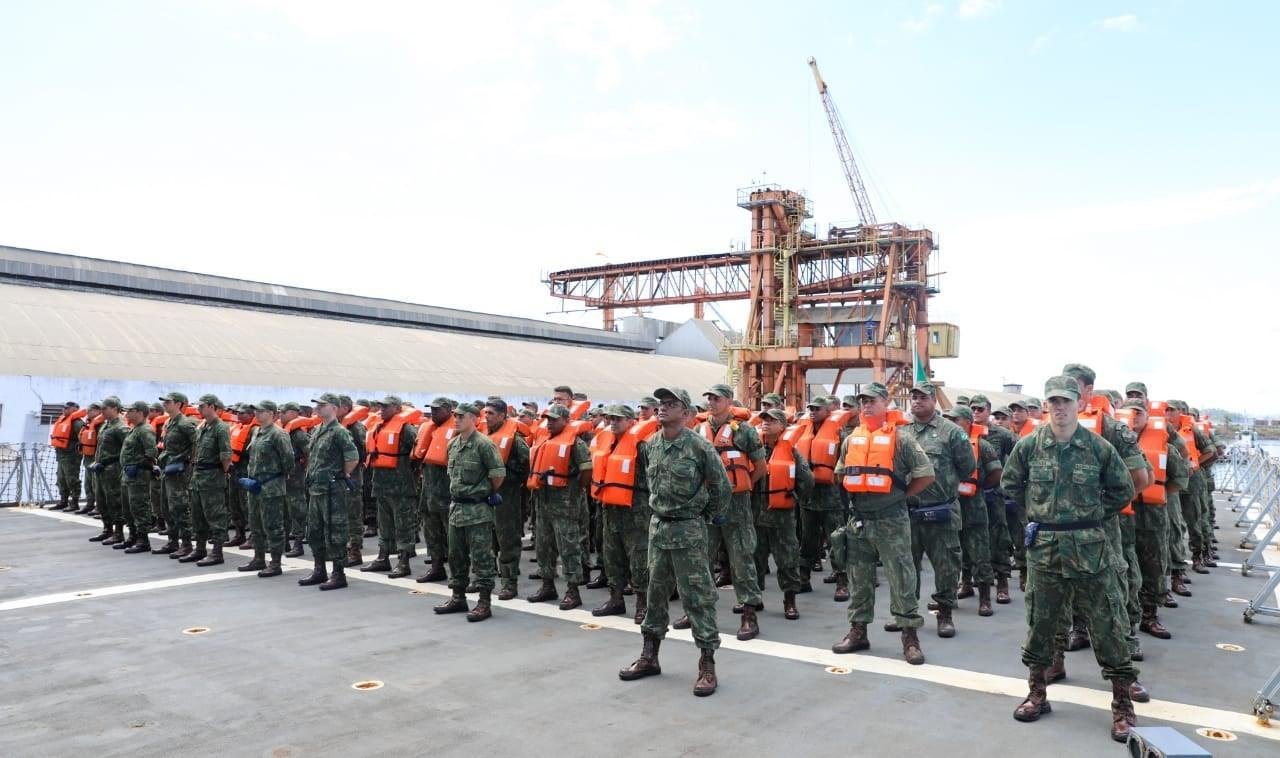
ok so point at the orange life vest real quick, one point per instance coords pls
(552, 459)
(89, 436)
(868, 460)
(782, 472)
(969, 487)
(358, 413)
(613, 464)
(741, 414)
(578, 409)
(157, 426)
(1154, 442)
(190, 411)
(504, 438)
(60, 434)
(437, 449)
(1029, 427)
(600, 448)
(1091, 420)
(304, 423)
(736, 465)
(228, 417)
(804, 436)
(823, 448)
(239, 438)
(384, 452)
(1157, 407)
(1189, 437)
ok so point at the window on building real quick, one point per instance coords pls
(50, 413)
(935, 338)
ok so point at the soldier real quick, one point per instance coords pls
(1071, 482)
(997, 505)
(880, 469)
(394, 486)
(974, 534)
(88, 449)
(295, 485)
(618, 481)
(433, 500)
(743, 458)
(508, 519)
(241, 435)
(1034, 411)
(476, 473)
(1195, 502)
(330, 462)
(559, 475)
(352, 420)
(789, 481)
(106, 468)
(211, 459)
(272, 459)
(159, 508)
(176, 469)
(690, 488)
(370, 519)
(137, 461)
(935, 512)
(647, 409)
(64, 438)
(824, 510)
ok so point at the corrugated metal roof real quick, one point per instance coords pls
(48, 331)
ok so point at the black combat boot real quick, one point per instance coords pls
(600, 582)
(381, 563)
(184, 549)
(273, 568)
(647, 663)
(170, 546)
(509, 589)
(1002, 591)
(437, 574)
(546, 592)
(198, 553)
(789, 610)
(984, 600)
(965, 591)
(946, 625)
(117, 536)
(1037, 702)
(258, 563)
(141, 545)
(614, 606)
(482, 610)
(128, 542)
(337, 579)
(317, 575)
(295, 550)
(911, 651)
(103, 535)
(455, 604)
(571, 598)
(706, 683)
(214, 559)
(402, 565)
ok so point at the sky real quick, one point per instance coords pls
(1103, 178)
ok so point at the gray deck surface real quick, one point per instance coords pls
(115, 675)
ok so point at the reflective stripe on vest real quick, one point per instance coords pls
(89, 436)
(616, 486)
(552, 459)
(504, 438)
(60, 434)
(385, 452)
(736, 465)
(868, 460)
(824, 449)
(437, 453)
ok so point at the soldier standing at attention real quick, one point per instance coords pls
(351, 420)
(211, 458)
(433, 501)
(508, 519)
(176, 469)
(64, 438)
(618, 482)
(295, 486)
(559, 475)
(935, 512)
(271, 461)
(1071, 481)
(137, 458)
(974, 535)
(881, 469)
(1002, 540)
(822, 512)
(88, 449)
(689, 488)
(330, 463)
(394, 485)
(241, 433)
(106, 468)
(788, 482)
(476, 472)
(155, 419)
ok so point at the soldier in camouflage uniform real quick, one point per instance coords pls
(1071, 482)
(625, 528)
(69, 459)
(90, 481)
(159, 508)
(559, 517)
(355, 498)
(433, 502)
(690, 488)
(776, 527)
(106, 465)
(237, 498)
(1003, 541)
(211, 459)
(1196, 502)
(370, 518)
(176, 469)
(330, 462)
(137, 459)
(880, 528)
(821, 514)
(508, 519)
(395, 489)
(476, 472)
(294, 514)
(975, 536)
(271, 460)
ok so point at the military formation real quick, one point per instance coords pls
(1099, 501)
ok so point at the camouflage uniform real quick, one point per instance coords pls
(88, 477)
(559, 525)
(1083, 482)
(69, 460)
(271, 461)
(212, 449)
(138, 454)
(473, 462)
(1151, 539)
(355, 497)
(1177, 532)
(179, 447)
(294, 512)
(880, 529)
(111, 436)
(237, 497)
(949, 451)
(508, 518)
(975, 534)
(689, 486)
(433, 510)
(776, 527)
(1001, 525)
(625, 533)
(1196, 502)
(394, 489)
(331, 449)
(738, 533)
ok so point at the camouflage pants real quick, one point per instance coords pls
(397, 522)
(237, 498)
(471, 553)
(778, 539)
(138, 491)
(1152, 548)
(109, 494)
(355, 513)
(941, 542)
(508, 530)
(815, 526)
(740, 541)
(998, 530)
(559, 536)
(159, 509)
(90, 484)
(975, 540)
(326, 523)
(209, 505)
(68, 477)
(435, 526)
(687, 570)
(1178, 554)
(1192, 502)
(266, 521)
(885, 536)
(1132, 572)
(295, 508)
(1015, 518)
(1115, 551)
(626, 546)
(1050, 598)
(177, 494)
(584, 533)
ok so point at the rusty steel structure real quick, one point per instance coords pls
(855, 300)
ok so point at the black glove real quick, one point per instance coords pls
(720, 520)
(131, 471)
(494, 499)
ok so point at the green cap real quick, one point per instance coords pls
(388, 400)
(263, 405)
(211, 399)
(674, 393)
(555, 410)
(777, 414)
(979, 400)
(176, 397)
(648, 401)
(1062, 386)
(496, 403)
(364, 402)
(1136, 387)
(874, 389)
(441, 402)
(157, 407)
(527, 413)
(345, 400)
(291, 406)
(111, 401)
(464, 408)
(818, 401)
(327, 397)
(962, 400)
(959, 411)
(94, 404)
(620, 410)
(1194, 411)
(774, 398)
(1136, 403)
(1002, 411)
(720, 389)
(139, 405)
(849, 400)
(1032, 402)
(1017, 404)
(926, 388)
(1079, 371)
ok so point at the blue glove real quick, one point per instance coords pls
(494, 499)
(131, 471)
(95, 467)
(175, 468)
(250, 484)
(719, 520)
(155, 471)
(351, 483)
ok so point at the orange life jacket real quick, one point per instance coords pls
(741, 414)
(1091, 419)
(868, 460)
(1154, 442)
(552, 459)
(823, 448)
(1157, 407)
(60, 434)
(1185, 427)
(613, 464)
(969, 487)
(782, 472)
(526, 431)
(736, 464)
(89, 436)
(1029, 427)
(384, 452)
(358, 413)
(304, 423)
(228, 417)
(600, 448)
(804, 436)
(504, 437)
(437, 448)
(190, 411)
(578, 409)
(239, 438)
(157, 426)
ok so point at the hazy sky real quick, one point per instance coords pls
(1103, 177)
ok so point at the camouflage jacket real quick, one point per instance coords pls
(687, 485)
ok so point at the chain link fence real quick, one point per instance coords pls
(28, 474)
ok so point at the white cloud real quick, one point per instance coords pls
(917, 25)
(645, 128)
(1041, 42)
(1126, 23)
(975, 8)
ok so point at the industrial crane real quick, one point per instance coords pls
(851, 174)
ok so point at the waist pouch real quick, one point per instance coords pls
(1010, 507)
(1034, 528)
(936, 513)
(254, 486)
(177, 467)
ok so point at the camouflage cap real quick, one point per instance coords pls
(674, 393)
(619, 410)
(529, 405)
(1063, 386)
(874, 389)
(1180, 405)
(1194, 411)
(1079, 371)
(245, 407)
(777, 414)
(721, 390)
(465, 408)
(94, 404)
(1136, 403)
(774, 398)
(849, 400)
(74, 404)
(111, 401)
(211, 399)
(263, 405)
(441, 402)
(291, 406)
(345, 401)
(1002, 411)
(364, 402)
(388, 400)
(926, 388)
(1136, 387)
(496, 403)
(818, 401)
(325, 398)
(139, 405)
(1032, 403)
(648, 401)
(526, 413)
(554, 411)
(1014, 404)
(176, 397)
(962, 400)
(979, 401)
(156, 406)
(959, 411)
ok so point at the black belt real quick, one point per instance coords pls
(207, 466)
(673, 519)
(1070, 526)
(932, 505)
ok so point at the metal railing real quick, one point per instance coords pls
(28, 474)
